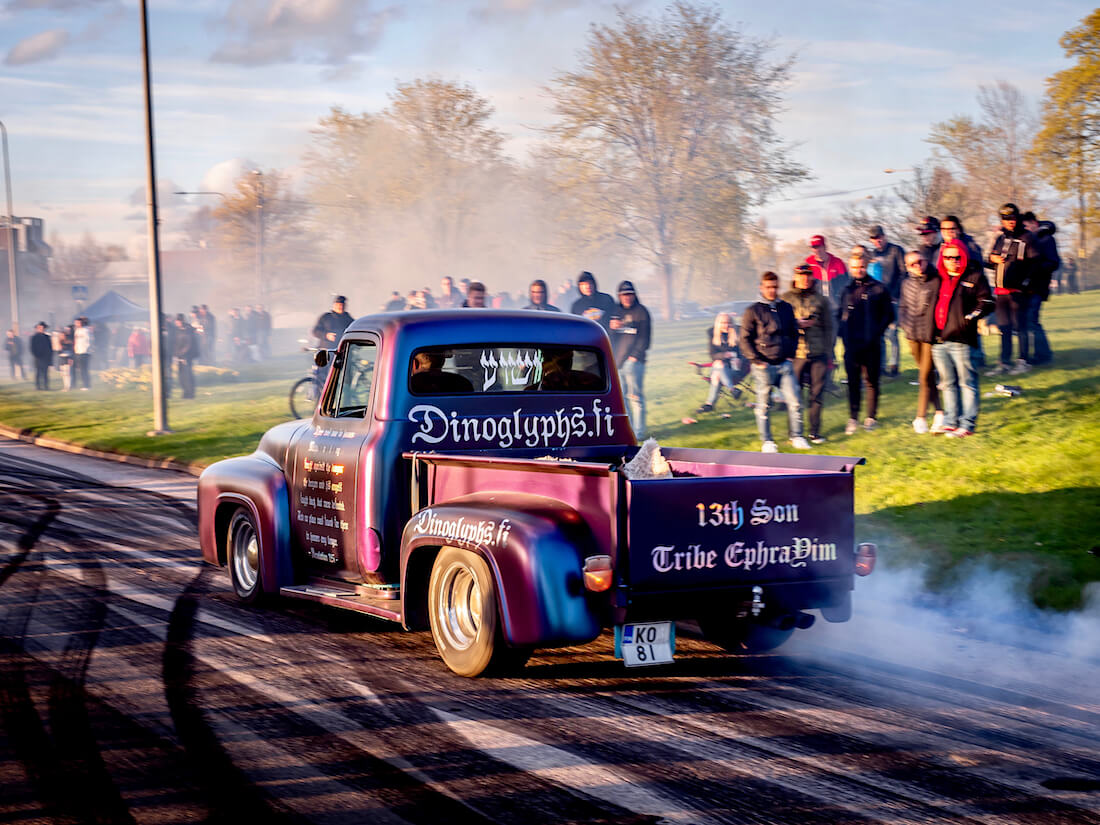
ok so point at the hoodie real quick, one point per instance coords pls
(1049, 259)
(961, 301)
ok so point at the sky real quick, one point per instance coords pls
(238, 84)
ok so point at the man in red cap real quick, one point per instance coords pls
(828, 269)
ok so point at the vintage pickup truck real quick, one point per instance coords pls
(464, 472)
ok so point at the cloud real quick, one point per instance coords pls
(330, 32)
(54, 5)
(37, 47)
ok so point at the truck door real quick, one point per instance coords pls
(326, 473)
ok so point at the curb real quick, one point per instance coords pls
(30, 437)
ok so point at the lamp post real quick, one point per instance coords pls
(12, 275)
(156, 331)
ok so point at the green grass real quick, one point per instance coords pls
(1023, 495)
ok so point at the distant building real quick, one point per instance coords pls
(32, 255)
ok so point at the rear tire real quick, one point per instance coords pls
(462, 610)
(743, 636)
(303, 398)
(243, 546)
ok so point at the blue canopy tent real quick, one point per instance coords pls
(114, 307)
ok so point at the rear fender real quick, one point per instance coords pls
(535, 548)
(258, 484)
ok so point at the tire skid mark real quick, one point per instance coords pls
(89, 784)
(229, 793)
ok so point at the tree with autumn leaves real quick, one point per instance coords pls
(1067, 147)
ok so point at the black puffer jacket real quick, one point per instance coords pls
(916, 309)
(865, 312)
(769, 332)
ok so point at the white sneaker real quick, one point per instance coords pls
(770, 447)
(1021, 367)
(800, 443)
(851, 427)
(920, 426)
(937, 423)
(869, 423)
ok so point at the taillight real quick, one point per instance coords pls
(866, 554)
(597, 573)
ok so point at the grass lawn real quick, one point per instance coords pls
(1023, 494)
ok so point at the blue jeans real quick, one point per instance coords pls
(1040, 347)
(766, 376)
(633, 375)
(957, 376)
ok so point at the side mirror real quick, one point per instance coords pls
(320, 358)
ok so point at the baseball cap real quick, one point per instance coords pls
(928, 224)
(817, 240)
(876, 232)
(340, 299)
(803, 269)
(627, 287)
(1009, 211)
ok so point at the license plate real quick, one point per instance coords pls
(652, 643)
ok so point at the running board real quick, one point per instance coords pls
(347, 597)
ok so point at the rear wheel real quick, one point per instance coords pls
(462, 610)
(303, 398)
(244, 557)
(743, 636)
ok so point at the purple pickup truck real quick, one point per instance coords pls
(465, 472)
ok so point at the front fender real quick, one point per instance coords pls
(258, 484)
(535, 548)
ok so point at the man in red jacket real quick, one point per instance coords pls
(828, 269)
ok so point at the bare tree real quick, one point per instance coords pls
(988, 156)
(667, 131)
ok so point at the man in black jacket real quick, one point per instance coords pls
(864, 314)
(630, 332)
(185, 349)
(769, 339)
(42, 352)
(331, 325)
(1048, 264)
(1013, 260)
(593, 304)
(891, 262)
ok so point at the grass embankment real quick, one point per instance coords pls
(1022, 495)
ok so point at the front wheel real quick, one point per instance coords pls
(742, 635)
(244, 557)
(462, 610)
(303, 397)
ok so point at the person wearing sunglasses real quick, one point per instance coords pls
(918, 298)
(865, 312)
(964, 297)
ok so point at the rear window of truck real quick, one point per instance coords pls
(506, 368)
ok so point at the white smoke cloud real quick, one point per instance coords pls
(37, 47)
(331, 32)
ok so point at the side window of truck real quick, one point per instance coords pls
(350, 397)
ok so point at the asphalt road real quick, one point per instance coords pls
(133, 688)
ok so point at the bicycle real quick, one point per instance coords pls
(306, 392)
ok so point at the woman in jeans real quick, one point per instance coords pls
(915, 316)
(727, 367)
(964, 297)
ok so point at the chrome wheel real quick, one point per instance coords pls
(244, 556)
(459, 608)
(462, 610)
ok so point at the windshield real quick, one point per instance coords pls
(506, 368)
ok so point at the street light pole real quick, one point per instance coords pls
(156, 337)
(13, 277)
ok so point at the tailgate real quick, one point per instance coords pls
(739, 525)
